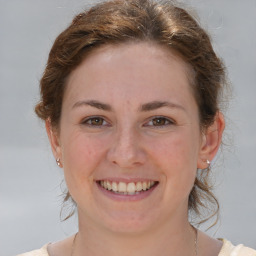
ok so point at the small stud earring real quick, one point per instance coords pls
(58, 162)
(209, 165)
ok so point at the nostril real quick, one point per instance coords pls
(126, 159)
(125, 150)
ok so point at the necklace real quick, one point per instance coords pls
(195, 243)
(73, 245)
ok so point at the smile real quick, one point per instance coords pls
(131, 188)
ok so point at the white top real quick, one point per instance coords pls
(227, 249)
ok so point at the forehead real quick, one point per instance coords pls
(142, 67)
(135, 50)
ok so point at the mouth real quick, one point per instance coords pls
(130, 188)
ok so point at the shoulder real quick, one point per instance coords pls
(40, 252)
(228, 249)
(62, 248)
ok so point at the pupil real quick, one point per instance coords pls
(96, 121)
(159, 121)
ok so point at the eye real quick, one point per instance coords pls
(95, 121)
(159, 122)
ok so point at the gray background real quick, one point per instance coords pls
(30, 194)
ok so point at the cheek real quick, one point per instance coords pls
(176, 157)
(178, 150)
(178, 167)
(81, 155)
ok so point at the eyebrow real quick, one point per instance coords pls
(93, 103)
(144, 107)
(159, 104)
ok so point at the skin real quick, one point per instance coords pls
(109, 130)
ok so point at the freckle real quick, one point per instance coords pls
(128, 102)
(89, 152)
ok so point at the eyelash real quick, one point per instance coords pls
(167, 122)
(102, 122)
(88, 122)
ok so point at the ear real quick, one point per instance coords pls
(54, 141)
(211, 140)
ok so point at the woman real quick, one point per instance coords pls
(131, 100)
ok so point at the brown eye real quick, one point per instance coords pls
(160, 121)
(95, 121)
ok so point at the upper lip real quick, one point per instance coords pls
(125, 180)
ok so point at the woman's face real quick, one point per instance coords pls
(129, 138)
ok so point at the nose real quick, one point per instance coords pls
(126, 151)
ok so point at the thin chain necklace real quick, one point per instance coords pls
(195, 243)
(73, 245)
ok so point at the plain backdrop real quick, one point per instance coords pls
(30, 194)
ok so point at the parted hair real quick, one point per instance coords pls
(123, 21)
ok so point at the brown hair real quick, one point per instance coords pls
(121, 21)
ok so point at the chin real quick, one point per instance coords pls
(128, 222)
(127, 227)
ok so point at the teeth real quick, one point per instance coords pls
(121, 187)
(130, 188)
(144, 185)
(138, 186)
(114, 186)
(109, 187)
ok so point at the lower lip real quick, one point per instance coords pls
(120, 197)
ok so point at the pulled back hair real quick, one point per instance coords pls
(122, 21)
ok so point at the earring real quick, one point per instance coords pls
(209, 165)
(58, 162)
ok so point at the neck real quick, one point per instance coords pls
(174, 238)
